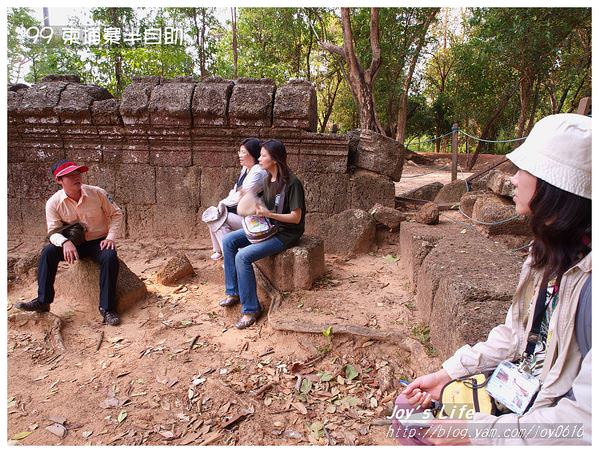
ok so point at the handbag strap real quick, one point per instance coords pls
(241, 179)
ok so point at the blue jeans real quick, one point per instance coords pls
(239, 254)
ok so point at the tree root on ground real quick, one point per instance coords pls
(279, 323)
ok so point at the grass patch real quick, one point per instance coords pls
(422, 333)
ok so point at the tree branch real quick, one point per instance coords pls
(375, 44)
(348, 44)
(334, 49)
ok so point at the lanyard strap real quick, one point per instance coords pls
(280, 200)
(540, 309)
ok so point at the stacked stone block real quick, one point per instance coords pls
(168, 149)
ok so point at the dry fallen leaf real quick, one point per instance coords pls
(20, 436)
(122, 416)
(300, 407)
(167, 434)
(57, 430)
(189, 438)
(224, 408)
(57, 419)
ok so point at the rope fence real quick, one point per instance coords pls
(490, 141)
(584, 108)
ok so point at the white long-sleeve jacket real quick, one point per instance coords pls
(251, 183)
(563, 369)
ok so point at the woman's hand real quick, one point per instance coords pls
(427, 387)
(262, 210)
(419, 399)
(107, 244)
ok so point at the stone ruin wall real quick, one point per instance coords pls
(168, 149)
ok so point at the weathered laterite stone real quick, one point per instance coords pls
(252, 102)
(295, 106)
(210, 102)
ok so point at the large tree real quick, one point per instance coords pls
(391, 39)
(360, 80)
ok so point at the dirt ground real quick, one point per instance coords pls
(415, 176)
(177, 372)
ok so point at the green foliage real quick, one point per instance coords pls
(470, 70)
(18, 21)
(350, 372)
(421, 332)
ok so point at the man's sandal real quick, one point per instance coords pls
(244, 323)
(229, 301)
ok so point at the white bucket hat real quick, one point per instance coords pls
(558, 151)
(215, 216)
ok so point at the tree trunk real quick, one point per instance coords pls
(525, 86)
(203, 45)
(360, 81)
(402, 114)
(234, 31)
(118, 63)
(553, 99)
(533, 110)
(330, 104)
(489, 127)
(311, 43)
(575, 101)
(199, 41)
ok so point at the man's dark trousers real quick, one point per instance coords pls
(109, 270)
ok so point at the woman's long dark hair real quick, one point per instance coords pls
(559, 221)
(278, 153)
(253, 146)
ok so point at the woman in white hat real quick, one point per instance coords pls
(223, 219)
(553, 188)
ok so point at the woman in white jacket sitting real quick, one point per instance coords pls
(544, 329)
(223, 218)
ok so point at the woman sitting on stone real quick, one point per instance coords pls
(223, 218)
(239, 253)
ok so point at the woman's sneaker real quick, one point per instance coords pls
(216, 256)
(110, 317)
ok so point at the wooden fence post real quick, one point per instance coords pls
(454, 151)
(584, 106)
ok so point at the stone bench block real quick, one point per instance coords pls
(210, 101)
(134, 103)
(38, 102)
(377, 153)
(80, 284)
(295, 268)
(75, 103)
(500, 183)
(464, 282)
(494, 210)
(170, 104)
(465, 310)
